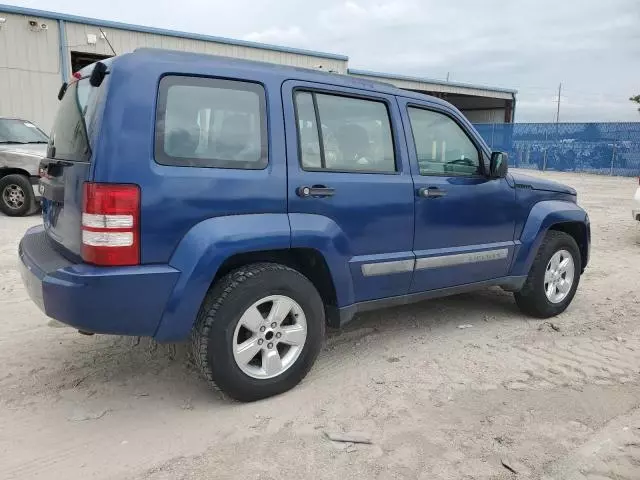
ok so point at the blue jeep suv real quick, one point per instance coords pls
(244, 206)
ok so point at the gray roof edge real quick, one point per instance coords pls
(368, 73)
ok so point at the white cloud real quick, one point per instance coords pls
(287, 36)
(379, 10)
(351, 17)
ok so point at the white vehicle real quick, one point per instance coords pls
(635, 209)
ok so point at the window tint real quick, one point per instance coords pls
(308, 131)
(204, 122)
(355, 134)
(442, 147)
(69, 139)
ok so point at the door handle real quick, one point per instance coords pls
(315, 191)
(431, 192)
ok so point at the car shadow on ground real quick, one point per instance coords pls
(124, 367)
(482, 305)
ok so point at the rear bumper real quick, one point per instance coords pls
(112, 300)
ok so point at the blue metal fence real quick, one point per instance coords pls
(602, 148)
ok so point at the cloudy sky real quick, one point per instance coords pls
(591, 46)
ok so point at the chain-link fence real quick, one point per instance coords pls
(602, 148)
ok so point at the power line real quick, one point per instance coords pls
(526, 89)
(104, 35)
(566, 92)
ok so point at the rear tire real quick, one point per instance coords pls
(546, 292)
(255, 309)
(16, 195)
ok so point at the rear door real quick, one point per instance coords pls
(67, 164)
(348, 170)
(464, 223)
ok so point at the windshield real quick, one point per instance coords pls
(20, 131)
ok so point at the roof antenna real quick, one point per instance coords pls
(104, 35)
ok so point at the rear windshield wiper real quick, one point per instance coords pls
(38, 141)
(12, 142)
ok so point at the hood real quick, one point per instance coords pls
(26, 157)
(528, 181)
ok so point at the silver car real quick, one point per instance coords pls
(22, 146)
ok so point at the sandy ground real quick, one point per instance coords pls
(440, 402)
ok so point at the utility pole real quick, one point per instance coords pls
(447, 76)
(558, 112)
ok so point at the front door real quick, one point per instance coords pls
(464, 222)
(350, 190)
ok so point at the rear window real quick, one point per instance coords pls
(355, 133)
(70, 137)
(206, 122)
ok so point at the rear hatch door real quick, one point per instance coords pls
(68, 164)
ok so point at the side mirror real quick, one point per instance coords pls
(97, 74)
(498, 165)
(62, 90)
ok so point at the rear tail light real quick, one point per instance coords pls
(110, 224)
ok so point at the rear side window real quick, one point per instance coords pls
(206, 122)
(354, 134)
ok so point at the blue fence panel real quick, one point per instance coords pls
(602, 148)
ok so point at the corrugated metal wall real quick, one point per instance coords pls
(494, 115)
(29, 69)
(127, 41)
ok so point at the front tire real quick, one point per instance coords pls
(259, 331)
(16, 195)
(553, 278)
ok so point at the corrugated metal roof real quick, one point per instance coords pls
(391, 76)
(160, 31)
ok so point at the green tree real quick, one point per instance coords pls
(636, 99)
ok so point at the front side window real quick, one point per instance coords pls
(354, 134)
(442, 147)
(206, 122)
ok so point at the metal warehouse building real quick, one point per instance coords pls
(39, 50)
